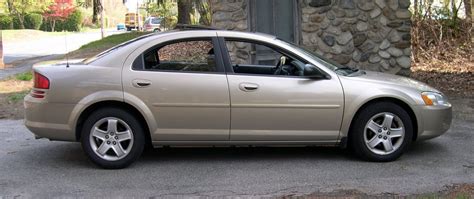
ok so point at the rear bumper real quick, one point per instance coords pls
(48, 120)
(435, 120)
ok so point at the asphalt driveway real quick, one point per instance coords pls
(40, 168)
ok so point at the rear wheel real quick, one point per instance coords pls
(381, 132)
(112, 138)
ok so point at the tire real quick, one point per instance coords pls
(112, 147)
(370, 138)
(129, 29)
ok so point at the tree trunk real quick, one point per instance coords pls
(96, 8)
(415, 7)
(468, 9)
(204, 10)
(21, 19)
(184, 9)
(2, 65)
(53, 23)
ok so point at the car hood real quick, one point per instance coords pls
(384, 78)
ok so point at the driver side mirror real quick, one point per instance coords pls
(313, 72)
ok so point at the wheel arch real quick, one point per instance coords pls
(116, 104)
(396, 101)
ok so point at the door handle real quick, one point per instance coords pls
(248, 87)
(141, 83)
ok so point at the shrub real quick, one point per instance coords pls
(73, 22)
(16, 22)
(6, 22)
(169, 22)
(26, 76)
(33, 21)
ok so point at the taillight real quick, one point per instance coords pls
(148, 26)
(41, 81)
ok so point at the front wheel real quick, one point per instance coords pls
(112, 138)
(381, 132)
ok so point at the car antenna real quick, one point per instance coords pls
(65, 43)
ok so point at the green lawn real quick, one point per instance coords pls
(98, 46)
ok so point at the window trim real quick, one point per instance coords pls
(228, 62)
(217, 53)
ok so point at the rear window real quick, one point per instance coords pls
(185, 56)
(155, 21)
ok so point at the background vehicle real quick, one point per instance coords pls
(121, 26)
(152, 24)
(212, 87)
(132, 21)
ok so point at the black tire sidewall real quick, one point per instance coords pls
(358, 130)
(138, 137)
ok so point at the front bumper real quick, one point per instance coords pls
(435, 121)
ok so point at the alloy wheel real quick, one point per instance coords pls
(384, 133)
(111, 138)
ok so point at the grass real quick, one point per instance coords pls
(26, 76)
(98, 46)
(16, 97)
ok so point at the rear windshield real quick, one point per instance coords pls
(91, 59)
(155, 21)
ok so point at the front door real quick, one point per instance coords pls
(184, 85)
(276, 102)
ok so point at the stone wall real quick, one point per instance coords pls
(230, 14)
(373, 35)
(367, 34)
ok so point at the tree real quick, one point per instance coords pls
(204, 9)
(187, 7)
(184, 11)
(167, 10)
(96, 9)
(19, 8)
(59, 10)
(468, 9)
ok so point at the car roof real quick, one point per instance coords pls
(189, 33)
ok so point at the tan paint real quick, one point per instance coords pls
(200, 108)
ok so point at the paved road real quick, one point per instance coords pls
(25, 65)
(40, 168)
(54, 45)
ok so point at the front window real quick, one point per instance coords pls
(248, 57)
(328, 63)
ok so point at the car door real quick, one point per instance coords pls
(272, 107)
(184, 85)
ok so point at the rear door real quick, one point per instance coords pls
(184, 85)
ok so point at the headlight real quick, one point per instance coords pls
(434, 99)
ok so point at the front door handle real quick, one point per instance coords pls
(141, 83)
(247, 87)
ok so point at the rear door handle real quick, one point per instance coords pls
(247, 87)
(141, 83)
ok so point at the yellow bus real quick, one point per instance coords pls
(132, 22)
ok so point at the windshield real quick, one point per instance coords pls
(328, 63)
(91, 59)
